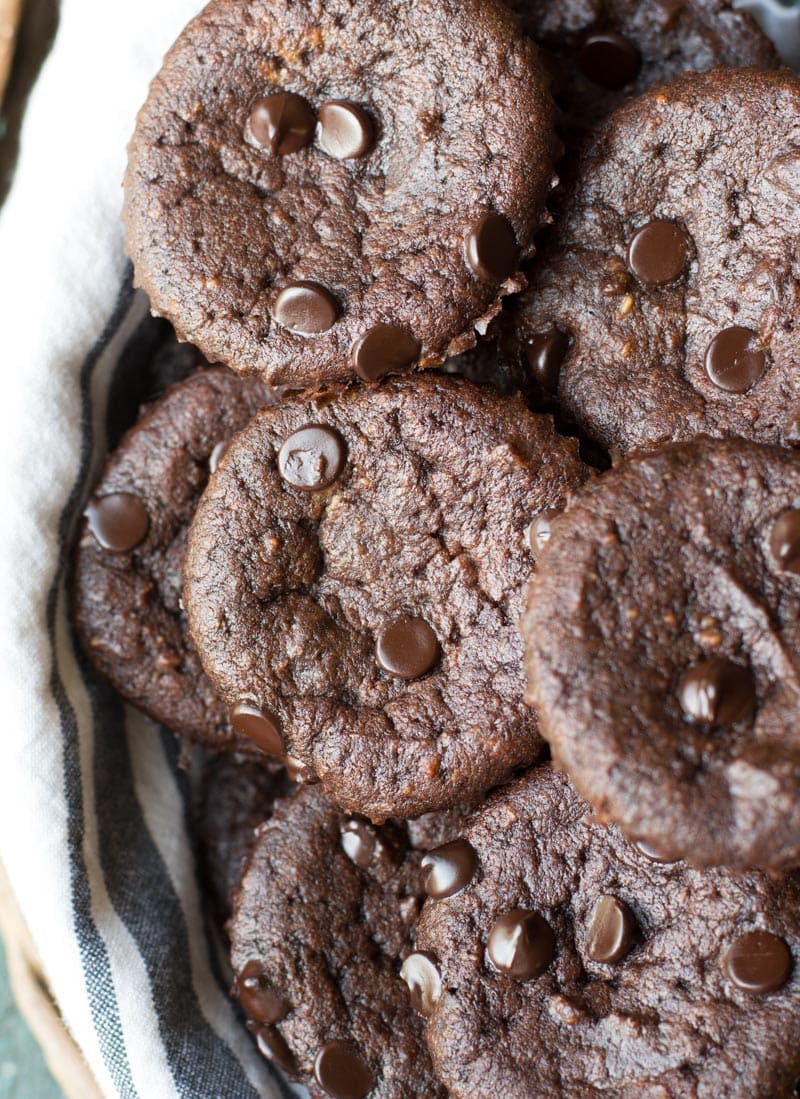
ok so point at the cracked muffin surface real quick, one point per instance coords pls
(324, 917)
(665, 302)
(128, 567)
(663, 649)
(354, 579)
(573, 959)
(319, 189)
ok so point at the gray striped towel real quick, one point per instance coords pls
(94, 809)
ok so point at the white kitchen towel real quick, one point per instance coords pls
(93, 806)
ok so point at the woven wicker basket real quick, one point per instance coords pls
(9, 19)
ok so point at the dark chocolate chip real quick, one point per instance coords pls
(545, 353)
(421, 973)
(784, 541)
(612, 931)
(345, 130)
(384, 349)
(119, 522)
(281, 123)
(342, 1072)
(659, 252)
(734, 360)
(217, 454)
(609, 60)
(407, 647)
(260, 726)
(306, 308)
(259, 1000)
(521, 944)
(272, 1046)
(359, 841)
(717, 692)
(368, 844)
(758, 962)
(449, 869)
(491, 248)
(651, 852)
(299, 772)
(312, 458)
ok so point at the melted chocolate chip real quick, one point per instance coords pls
(659, 252)
(407, 647)
(119, 522)
(384, 349)
(359, 841)
(312, 458)
(421, 973)
(521, 944)
(272, 1047)
(545, 353)
(612, 931)
(345, 130)
(260, 726)
(609, 60)
(784, 541)
(491, 248)
(734, 361)
(341, 1072)
(449, 869)
(758, 962)
(281, 123)
(717, 692)
(261, 1002)
(306, 308)
(217, 454)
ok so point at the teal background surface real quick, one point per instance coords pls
(23, 1073)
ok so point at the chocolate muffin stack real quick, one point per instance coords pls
(475, 563)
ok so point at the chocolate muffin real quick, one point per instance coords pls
(354, 581)
(666, 302)
(604, 51)
(573, 965)
(128, 567)
(238, 793)
(663, 649)
(320, 190)
(325, 915)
